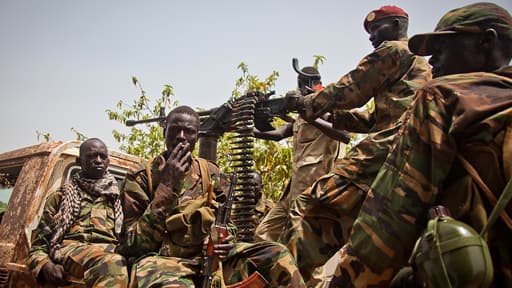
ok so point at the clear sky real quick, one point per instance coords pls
(63, 62)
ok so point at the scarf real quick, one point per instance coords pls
(70, 205)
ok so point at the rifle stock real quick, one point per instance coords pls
(253, 281)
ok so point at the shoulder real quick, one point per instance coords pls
(212, 167)
(397, 45)
(458, 81)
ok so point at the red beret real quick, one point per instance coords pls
(382, 12)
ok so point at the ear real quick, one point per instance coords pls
(489, 39)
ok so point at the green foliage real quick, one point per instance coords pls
(319, 59)
(43, 137)
(145, 140)
(248, 82)
(79, 136)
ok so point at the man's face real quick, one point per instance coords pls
(94, 159)
(257, 187)
(385, 29)
(457, 53)
(181, 128)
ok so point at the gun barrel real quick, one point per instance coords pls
(130, 123)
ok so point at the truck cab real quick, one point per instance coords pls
(27, 176)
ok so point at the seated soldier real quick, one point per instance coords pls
(263, 204)
(169, 209)
(80, 226)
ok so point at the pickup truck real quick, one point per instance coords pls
(27, 176)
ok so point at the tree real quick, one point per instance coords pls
(144, 140)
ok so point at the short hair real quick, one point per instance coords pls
(182, 110)
(82, 146)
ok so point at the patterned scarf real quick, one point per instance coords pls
(69, 209)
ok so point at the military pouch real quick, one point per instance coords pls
(187, 230)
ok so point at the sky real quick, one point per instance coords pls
(64, 62)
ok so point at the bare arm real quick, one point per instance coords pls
(326, 128)
(276, 134)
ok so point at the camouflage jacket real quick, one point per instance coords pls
(390, 74)
(145, 231)
(95, 225)
(458, 114)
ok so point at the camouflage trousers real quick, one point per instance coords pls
(97, 264)
(272, 228)
(271, 260)
(321, 219)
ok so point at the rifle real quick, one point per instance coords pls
(161, 119)
(220, 231)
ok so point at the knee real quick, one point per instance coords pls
(111, 263)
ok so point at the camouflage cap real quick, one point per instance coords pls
(473, 18)
(383, 12)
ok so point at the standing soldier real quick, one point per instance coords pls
(169, 211)
(80, 227)
(322, 216)
(315, 147)
(459, 120)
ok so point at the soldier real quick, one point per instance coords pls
(263, 205)
(322, 216)
(80, 227)
(315, 147)
(168, 215)
(456, 122)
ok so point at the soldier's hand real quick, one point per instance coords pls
(293, 102)
(174, 168)
(223, 248)
(54, 274)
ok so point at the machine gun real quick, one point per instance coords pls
(217, 121)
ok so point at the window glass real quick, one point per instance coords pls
(8, 178)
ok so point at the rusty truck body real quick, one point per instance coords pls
(27, 176)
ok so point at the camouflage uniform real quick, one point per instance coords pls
(313, 156)
(262, 208)
(89, 245)
(322, 216)
(173, 258)
(464, 114)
